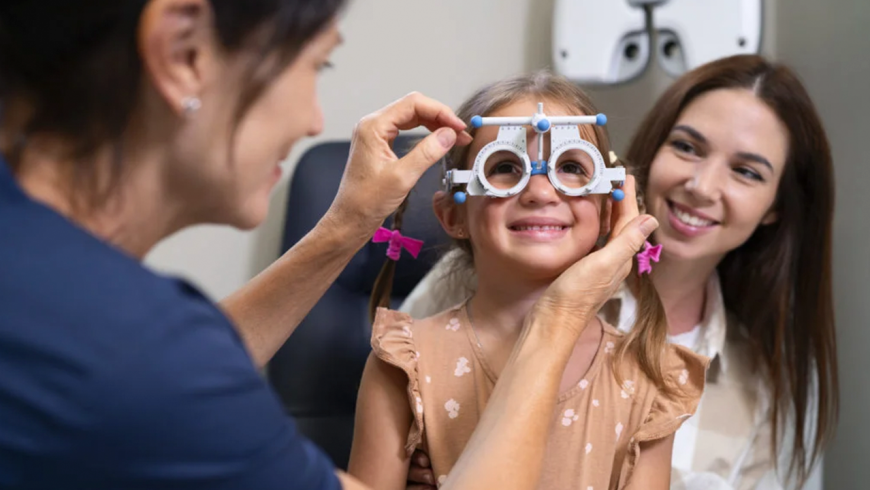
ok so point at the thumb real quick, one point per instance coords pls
(430, 150)
(630, 240)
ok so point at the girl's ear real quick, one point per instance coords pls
(450, 215)
(606, 214)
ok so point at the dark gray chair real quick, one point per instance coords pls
(317, 372)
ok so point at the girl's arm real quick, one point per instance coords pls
(653, 471)
(383, 419)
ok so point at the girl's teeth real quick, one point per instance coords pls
(538, 228)
(691, 220)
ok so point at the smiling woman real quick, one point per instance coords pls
(734, 162)
(716, 183)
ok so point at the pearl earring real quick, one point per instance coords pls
(191, 104)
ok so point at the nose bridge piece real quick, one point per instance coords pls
(539, 168)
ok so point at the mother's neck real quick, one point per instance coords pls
(136, 212)
(682, 287)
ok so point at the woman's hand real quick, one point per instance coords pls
(376, 181)
(584, 288)
(420, 474)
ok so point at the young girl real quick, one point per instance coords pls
(427, 382)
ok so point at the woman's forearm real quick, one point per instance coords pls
(270, 307)
(506, 450)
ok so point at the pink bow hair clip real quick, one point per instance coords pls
(397, 243)
(648, 255)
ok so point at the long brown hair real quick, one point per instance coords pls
(646, 341)
(778, 283)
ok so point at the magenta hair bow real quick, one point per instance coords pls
(397, 242)
(649, 254)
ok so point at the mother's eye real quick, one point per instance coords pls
(749, 173)
(684, 146)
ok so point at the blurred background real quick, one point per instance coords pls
(449, 48)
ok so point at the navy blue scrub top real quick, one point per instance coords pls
(113, 377)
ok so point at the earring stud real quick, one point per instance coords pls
(191, 104)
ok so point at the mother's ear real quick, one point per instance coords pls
(770, 218)
(450, 215)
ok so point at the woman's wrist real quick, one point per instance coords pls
(551, 335)
(341, 230)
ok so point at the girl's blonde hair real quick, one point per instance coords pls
(647, 339)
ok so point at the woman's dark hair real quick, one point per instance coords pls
(778, 283)
(77, 65)
(645, 343)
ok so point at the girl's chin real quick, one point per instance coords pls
(538, 270)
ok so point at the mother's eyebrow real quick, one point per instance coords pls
(755, 157)
(694, 133)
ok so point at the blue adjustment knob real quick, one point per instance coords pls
(459, 197)
(600, 119)
(476, 121)
(543, 125)
(618, 195)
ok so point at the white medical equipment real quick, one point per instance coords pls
(503, 168)
(612, 41)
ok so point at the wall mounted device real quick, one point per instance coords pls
(606, 42)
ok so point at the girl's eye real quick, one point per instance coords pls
(504, 168)
(572, 168)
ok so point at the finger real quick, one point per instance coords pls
(625, 210)
(622, 248)
(415, 486)
(420, 459)
(415, 110)
(463, 139)
(422, 476)
(429, 151)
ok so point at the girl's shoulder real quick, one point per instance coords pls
(433, 353)
(396, 334)
(388, 321)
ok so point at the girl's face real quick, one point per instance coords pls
(538, 233)
(715, 179)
